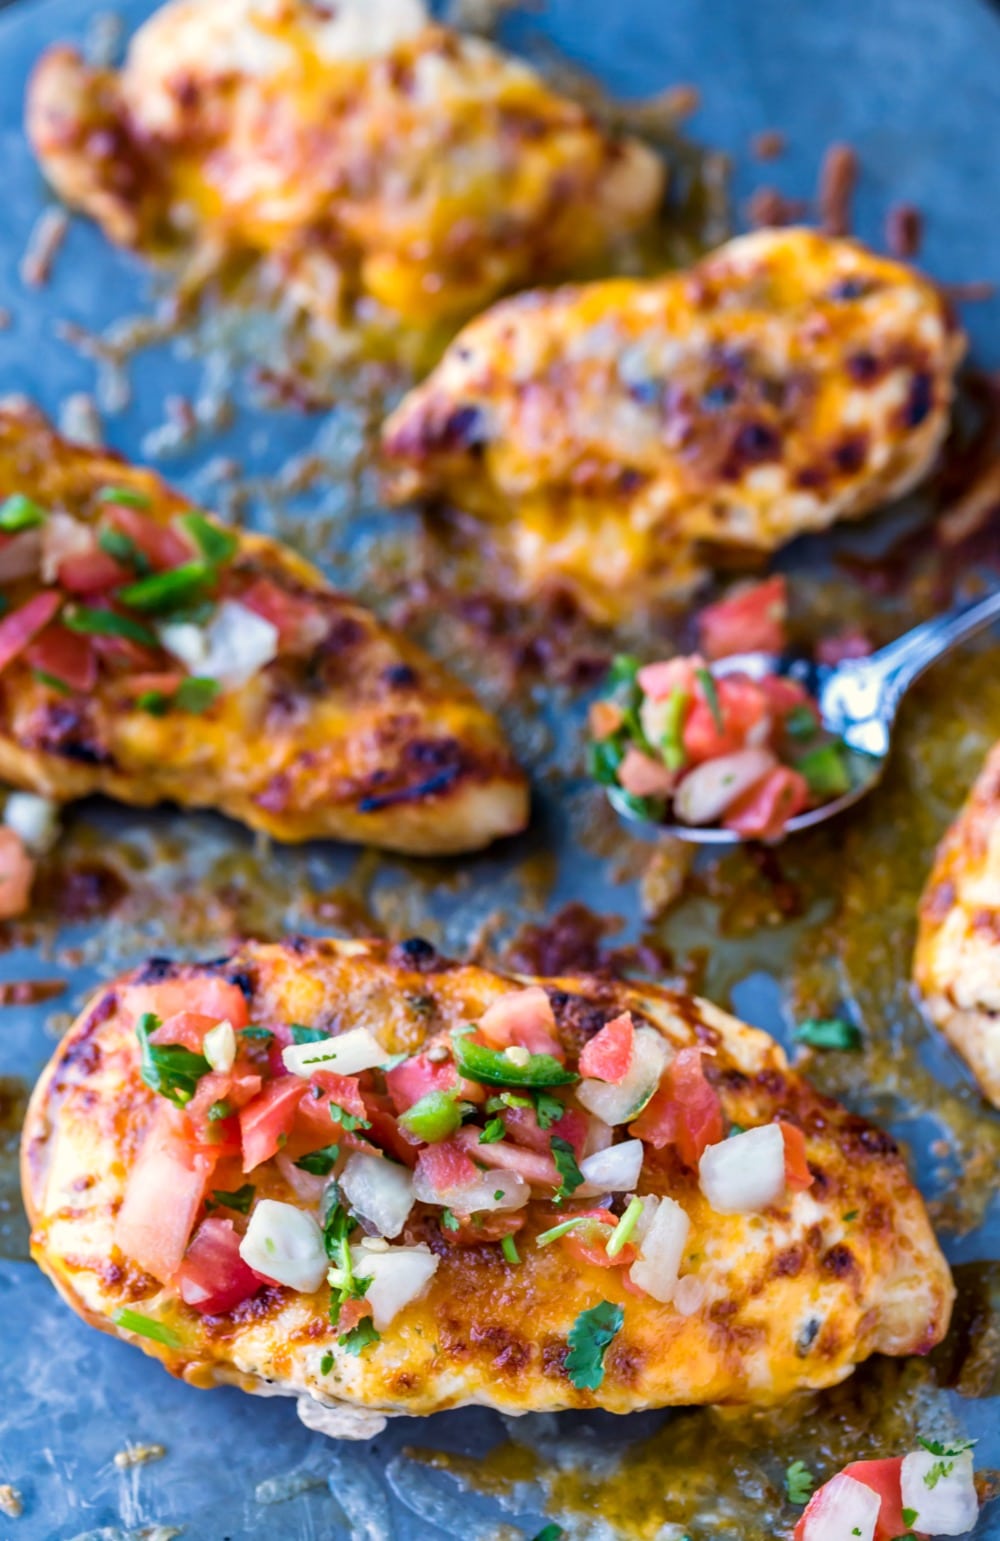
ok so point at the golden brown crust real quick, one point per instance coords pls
(429, 176)
(786, 381)
(793, 1298)
(365, 739)
(957, 959)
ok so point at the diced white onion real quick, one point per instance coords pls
(706, 792)
(309, 1186)
(950, 1507)
(662, 1234)
(599, 1136)
(689, 1296)
(744, 1173)
(398, 1276)
(285, 1244)
(492, 1190)
(843, 1510)
(219, 1047)
(35, 819)
(378, 1191)
(21, 557)
(62, 539)
(619, 1104)
(347, 1054)
(615, 1170)
(234, 646)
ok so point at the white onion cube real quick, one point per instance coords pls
(219, 1047)
(398, 1276)
(949, 1507)
(285, 1244)
(347, 1054)
(378, 1191)
(614, 1170)
(34, 819)
(745, 1173)
(843, 1510)
(662, 1234)
(234, 646)
(619, 1104)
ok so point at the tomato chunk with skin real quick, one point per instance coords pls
(881, 1477)
(164, 1192)
(742, 707)
(660, 680)
(523, 1018)
(416, 1077)
(477, 1230)
(534, 1167)
(206, 995)
(588, 1243)
(66, 656)
(797, 1173)
(763, 812)
(446, 1166)
(266, 1122)
(91, 572)
(17, 873)
(685, 1111)
(299, 618)
(750, 620)
(642, 776)
(186, 1028)
(163, 547)
(608, 1055)
(213, 1278)
(22, 625)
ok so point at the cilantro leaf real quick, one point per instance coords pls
(239, 1199)
(828, 1033)
(168, 1068)
(320, 1163)
(548, 1109)
(344, 1283)
(302, 1034)
(348, 1121)
(360, 1337)
(799, 1483)
(565, 1159)
(449, 1221)
(549, 1533)
(589, 1339)
(493, 1131)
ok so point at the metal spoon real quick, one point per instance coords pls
(858, 701)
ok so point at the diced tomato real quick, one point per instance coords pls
(604, 718)
(213, 1278)
(267, 1121)
(573, 1127)
(660, 680)
(446, 1166)
(415, 1077)
(345, 1090)
(750, 620)
(797, 1173)
(351, 1313)
(204, 994)
(480, 1229)
(237, 1087)
(785, 695)
(742, 706)
(22, 625)
(66, 656)
(162, 1197)
(187, 1028)
(608, 1055)
(524, 1129)
(17, 873)
(883, 1478)
(642, 776)
(529, 1164)
(588, 1243)
(764, 811)
(685, 1111)
(164, 682)
(91, 572)
(299, 618)
(523, 1018)
(122, 653)
(385, 1132)
(842, 646)
(163, 546)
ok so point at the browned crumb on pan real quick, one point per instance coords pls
(28, 992)
(768, 207)
(47, 236)
(768, 145)
(974, 292)
(837, 180)
(904, 230)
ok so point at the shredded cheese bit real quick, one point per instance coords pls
(138, 1455)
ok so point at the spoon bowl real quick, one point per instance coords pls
(858, 701)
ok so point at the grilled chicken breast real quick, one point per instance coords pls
(957, 962)
(151, 654)
(727, 1305)
(373, 155)
(786, 381)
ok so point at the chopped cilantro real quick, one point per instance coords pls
(589, 1339)
(302, 1034)
(263, 1034)
(196, 694)
(326, 1364)
(549, 1533)
(828, 1033)
(123, 549)
(320, 1163)
(852, 1214)
(360, 1337)
(449, 1221)
(799, 1483)
(800, 722)
(947, 1456)
(239, 1199)
(146, 1327)
(735, 1129)
(509, 1249)
(493, 1131)
(167, 1068)
(909, 1518)
(548, 1109)
(344, 1284)
(565, 1159)
(347, 1121)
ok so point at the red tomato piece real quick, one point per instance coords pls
(642, 776)
(213, 1278)
(660, 680)
(385, 1132)
(91, 572)
(523, 1018)
(164, 1192)
(529, 1164)
(351, 1313)
(477, 1230)
(187, 1028)
(685, 1111)
(797, 1173)
(237, 1087)
(573, 1128)
(204, 994)
(608, 1055)
(764, 811)
(883, 1478)
(588, 1243)
(163, 547)
(750, 620)
(17, 873)
(742, 705)
(446, 1166)
(164, 681)
(266, 1122)
(66, 656)
(22, 625)
(416, 1077)
(299, 618)
(344, 1090)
